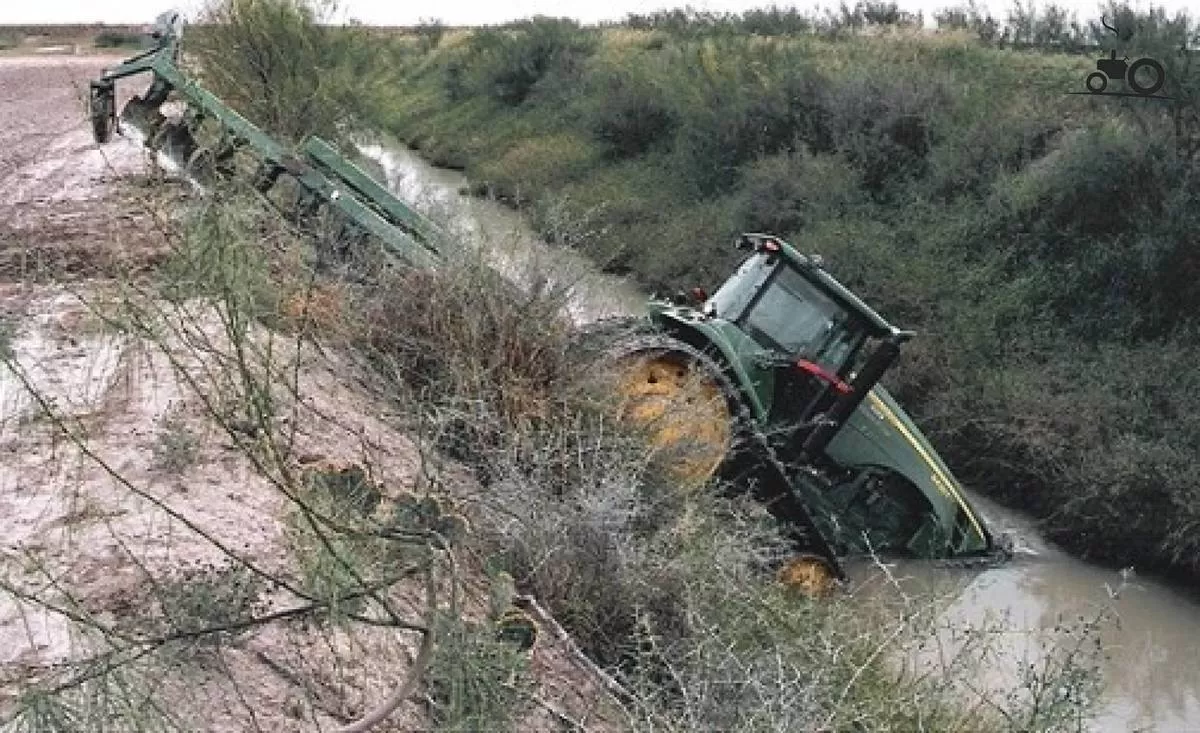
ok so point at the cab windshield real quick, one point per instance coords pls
(794, 316)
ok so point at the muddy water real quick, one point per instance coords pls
(1151, 633)
(510, 244)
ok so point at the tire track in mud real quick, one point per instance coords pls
(68, 208)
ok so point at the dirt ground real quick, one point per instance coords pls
(88, 514)
(70, 206)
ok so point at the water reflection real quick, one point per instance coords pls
(517, 252)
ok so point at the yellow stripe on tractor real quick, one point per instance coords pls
(944, 482)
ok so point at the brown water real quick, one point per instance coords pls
(506, 236)
(1150, 633)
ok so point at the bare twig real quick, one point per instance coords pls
(419, 666)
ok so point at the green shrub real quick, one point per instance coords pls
(1087, 440)
(430, 33)
(476, 682)
(1100, 181)
(537, 166)
(998, 141)
(617, 206)
(739, 99)
(775, 21)
(507, 63)
(275, 62)
(784, 192)
(882, 122)
(631, 113)
(177, 446)
(1092, 212)
(210, 600)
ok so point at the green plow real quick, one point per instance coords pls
(208, 140)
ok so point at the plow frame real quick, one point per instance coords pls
(325, 178)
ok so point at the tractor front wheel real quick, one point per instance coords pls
(809, 574)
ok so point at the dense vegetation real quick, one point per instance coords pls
(1041, 244)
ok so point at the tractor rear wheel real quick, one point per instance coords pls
(680, 397)
(696, 423)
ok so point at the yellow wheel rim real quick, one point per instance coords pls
(808, 574)
(683, 409)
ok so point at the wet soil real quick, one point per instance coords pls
(96, 511)
(71, 208)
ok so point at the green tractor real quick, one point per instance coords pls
(772, 384)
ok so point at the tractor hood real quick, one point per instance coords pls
(880, 433)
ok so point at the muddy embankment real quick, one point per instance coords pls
(122, 492)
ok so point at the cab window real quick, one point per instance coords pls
(794, 316)
(736, 293)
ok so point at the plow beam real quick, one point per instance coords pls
(325, 178)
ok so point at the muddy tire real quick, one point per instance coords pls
(627, 353)
(598, 346)
(679, 395)
(810, 575)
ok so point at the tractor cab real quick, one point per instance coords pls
(783, 343)
(818, 353)
(817, 336)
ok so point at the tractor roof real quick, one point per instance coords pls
(811, 267)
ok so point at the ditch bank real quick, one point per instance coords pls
(134, 522)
